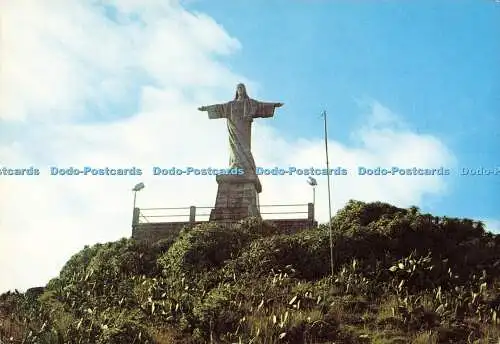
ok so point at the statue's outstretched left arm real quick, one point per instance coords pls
(266, 109)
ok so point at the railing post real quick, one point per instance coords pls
(310, 212)
(135, 217)
(192, 214)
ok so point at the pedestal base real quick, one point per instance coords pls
(236, 198)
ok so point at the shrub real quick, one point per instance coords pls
(204, 247)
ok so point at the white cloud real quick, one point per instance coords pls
(67, 55)
(492, 225)
(58, 58)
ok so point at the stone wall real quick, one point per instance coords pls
(152, 232)
(290, 226)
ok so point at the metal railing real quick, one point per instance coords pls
(192, 214)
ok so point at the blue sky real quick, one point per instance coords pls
(436, 63)
(117, 83)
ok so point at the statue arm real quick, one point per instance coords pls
(216, 111)
(266, 109)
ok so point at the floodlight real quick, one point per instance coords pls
(312, 181)
(138, 187)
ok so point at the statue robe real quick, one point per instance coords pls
(239, 115)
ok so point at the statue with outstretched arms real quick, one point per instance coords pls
(240, 113)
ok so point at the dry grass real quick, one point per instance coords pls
(11, 331)
(168, 335)
(427, 337)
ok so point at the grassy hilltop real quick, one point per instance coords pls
(400, 277)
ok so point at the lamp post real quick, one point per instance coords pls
(329, 196)
(312, 181)
(135, 216)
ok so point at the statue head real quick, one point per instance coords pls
(241, 92)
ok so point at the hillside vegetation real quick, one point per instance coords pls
(400, 276)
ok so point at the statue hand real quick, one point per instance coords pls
(202, 108)
(278, 105)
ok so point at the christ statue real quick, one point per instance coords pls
(240, 113)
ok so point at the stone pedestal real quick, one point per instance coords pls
(236, 198)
